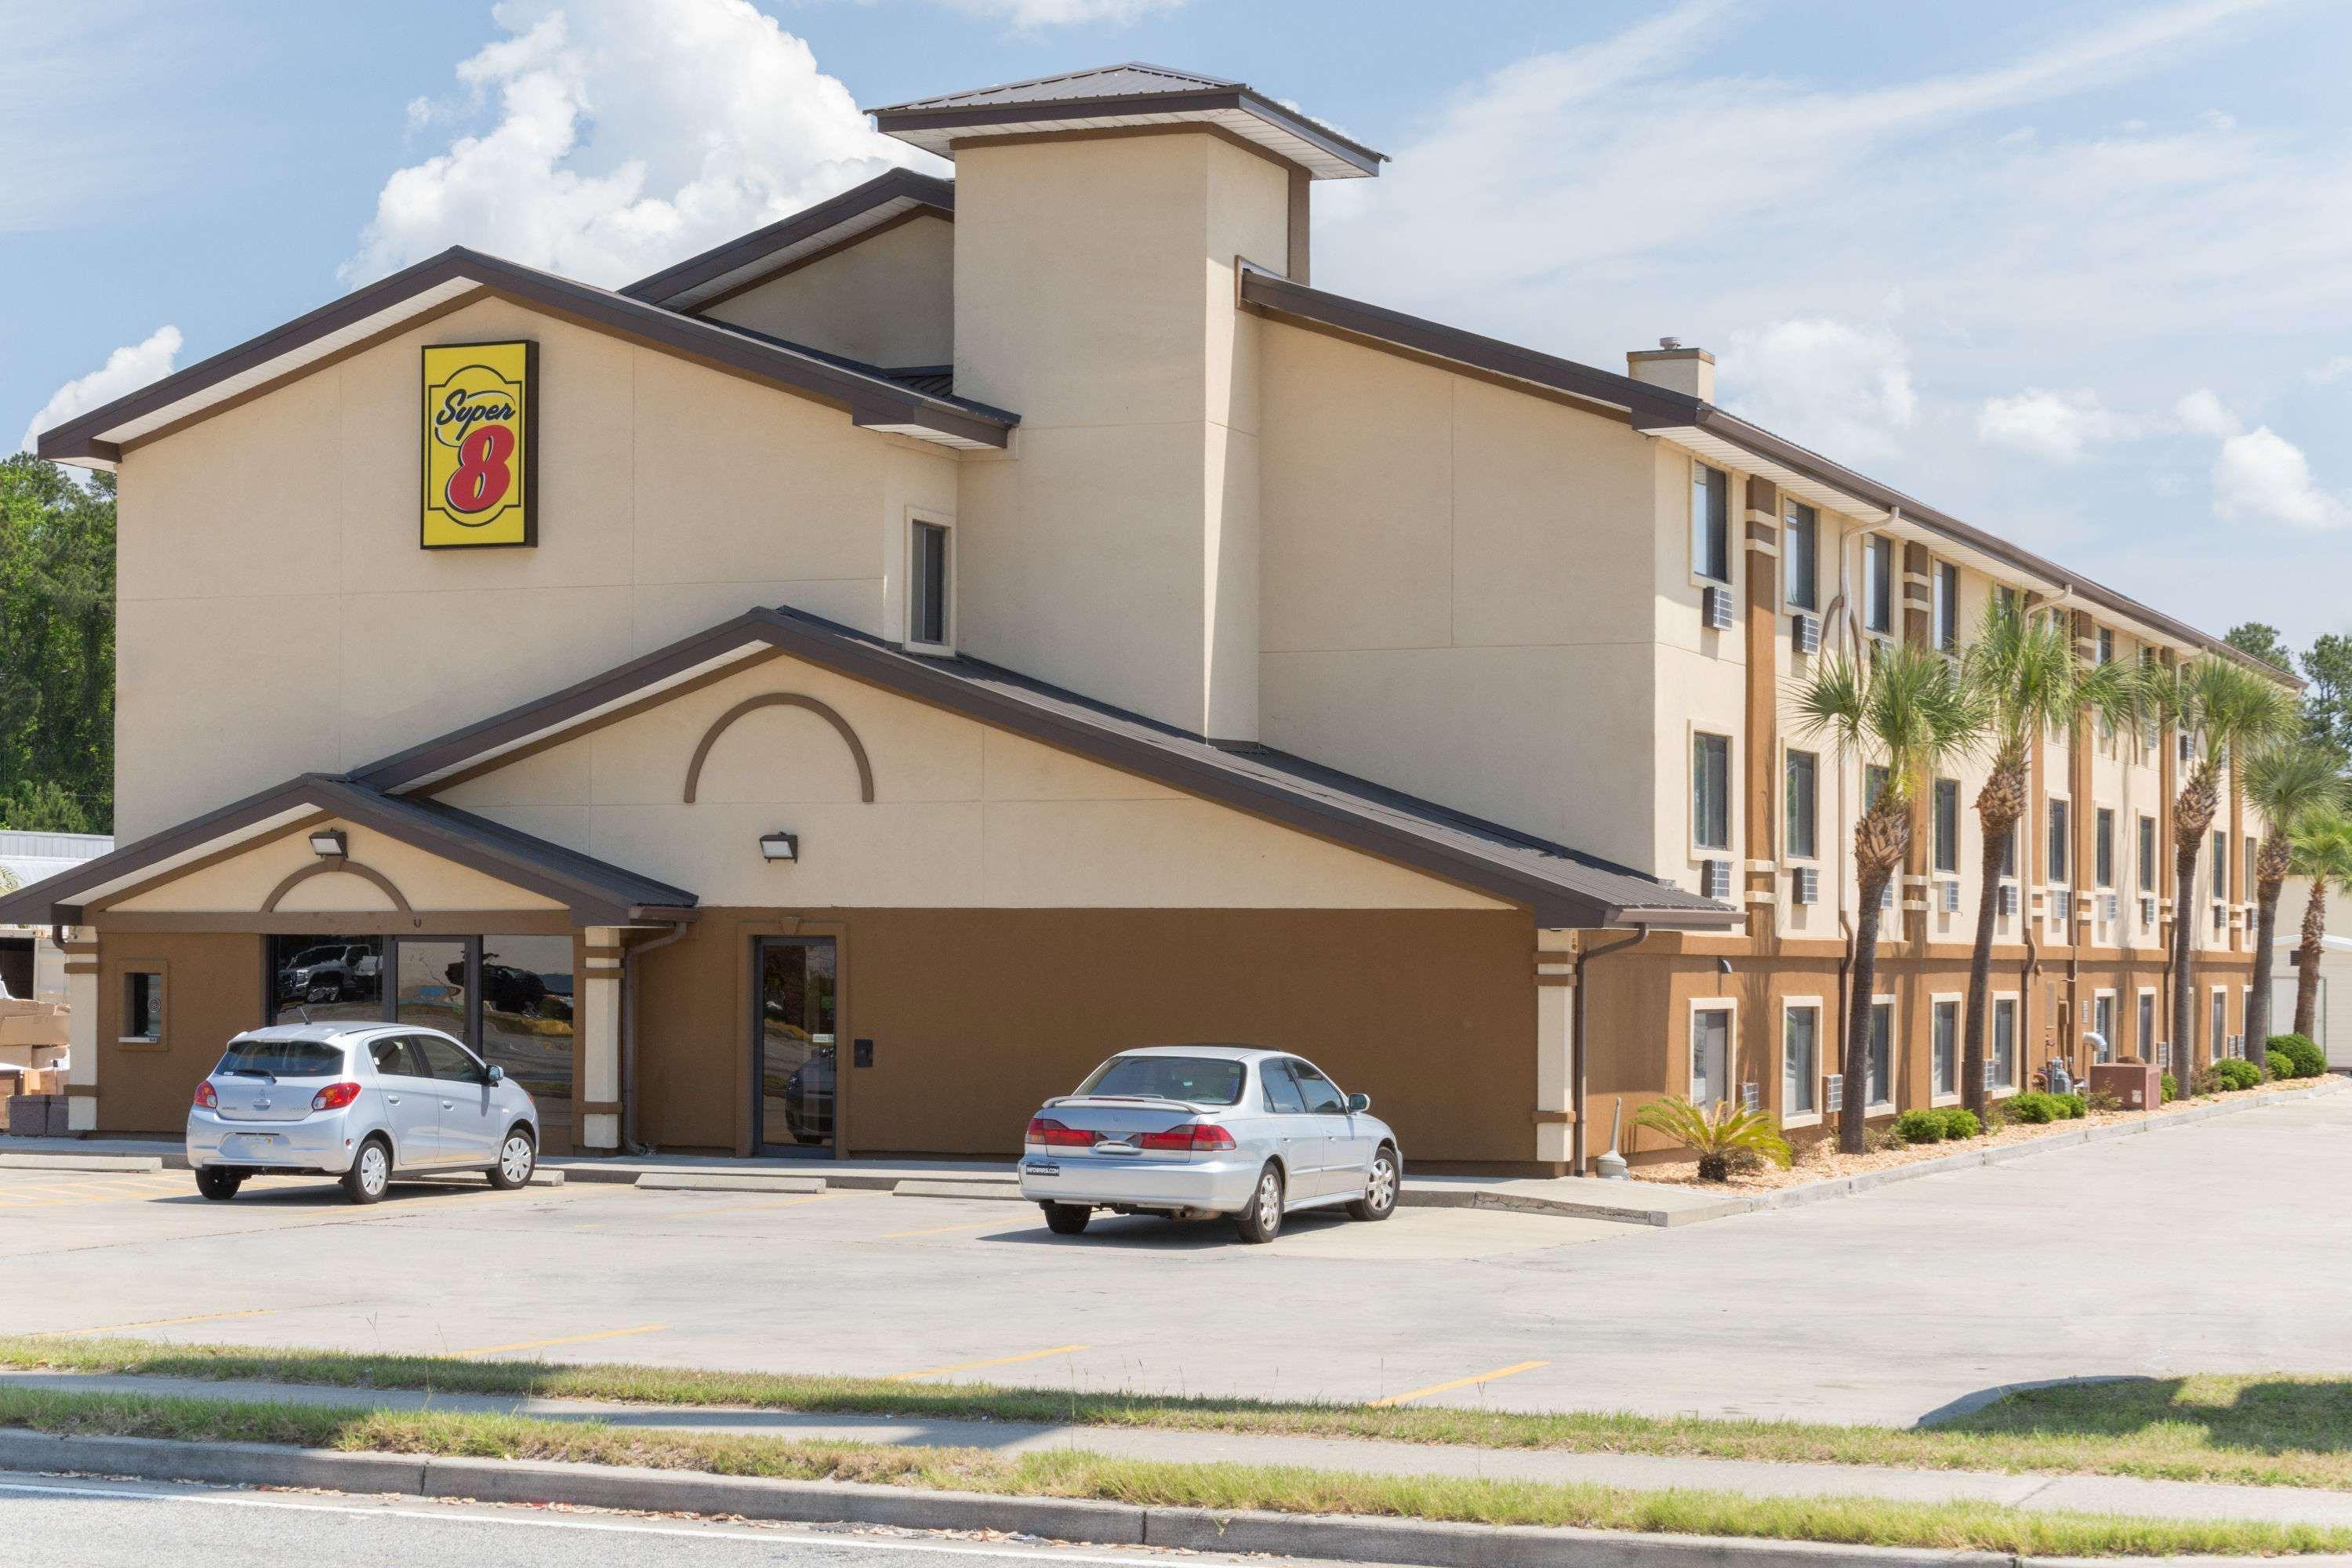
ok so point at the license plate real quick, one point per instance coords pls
(259, 1138)
(1041, 1168)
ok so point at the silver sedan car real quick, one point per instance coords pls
(1197, 1132)
(360, 1101)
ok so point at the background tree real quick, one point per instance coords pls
(57, 649)
(2285, 784)
(1903, 712)
(2321, 849)
(2027, 685)
(2327, 701)
(2228, 712)
(2263, 641)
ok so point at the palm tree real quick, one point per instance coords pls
(2028, 685)
(2228, 712)
(2321, 849)
(1904, 712)
(2285, 783)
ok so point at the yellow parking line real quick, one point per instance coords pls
(163, 1322)
(564, 1340)
(944, 1229)
(1511, 1371)
(993, 1360)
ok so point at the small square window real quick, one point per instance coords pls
(143, 1005)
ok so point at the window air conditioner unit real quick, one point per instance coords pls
(1886, 895)
(1805, 632)
(1948, 899)
(1715, 878)
(1833, 1091)
(1992, 1072)
(1714, 608)
(2108, 904)
(1805, 885)
(2008, 903)
(2148, 909)
(1751, 1096)
(2220, 919)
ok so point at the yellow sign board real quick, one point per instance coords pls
(481, 446)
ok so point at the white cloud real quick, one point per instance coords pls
(2202, 414)
(2059, 425)
(2335, 370)
(126, 369)
(2262, 477)
(1832, 384)
(1065, 13)
(626, 134)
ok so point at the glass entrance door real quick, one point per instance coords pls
(793, 1063)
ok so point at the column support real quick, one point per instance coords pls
(81, 1028)
(1555, 1107)
(600, 1037)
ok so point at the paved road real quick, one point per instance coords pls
(57, 1523)
(2204, 1248)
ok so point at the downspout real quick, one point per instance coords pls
(1576, 1042)
(629, 1144)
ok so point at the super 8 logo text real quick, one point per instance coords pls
(480, 444)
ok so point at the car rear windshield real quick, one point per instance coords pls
(1205, 1080)
(283, 1059)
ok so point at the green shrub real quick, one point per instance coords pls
(2073, 1107)
(2171, 1087)
(2036, 1107)
(1920, 1127)
(2281, 1063)
(2102, 1100)
(1960, 1122)
(2306, 1059)
(2207, 1080)
(2236, 1074)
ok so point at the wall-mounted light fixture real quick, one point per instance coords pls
(781, 845)
(328, 843)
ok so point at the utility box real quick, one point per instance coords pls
(2140, 1086)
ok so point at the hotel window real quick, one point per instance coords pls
(2001, 1062)
(2147, 854)
(1882, 1053)
(1710, 523)
(1801, 1036)
(2057, 842)
(2107, 645)
(2102, 848)
(1947, 607)
(2103, 1024)
(1948, 1047)
(1879, 584)
(2217, 1038)
(2009, 850)
(2220, 866)
(143, 1005)
(2250, 851)
(1804, 813)
(2007, 599)
(928, 585)
(2144, 1041)
(1710, 1074)
(1946, 825)
(1711, 791)
(1874, 785)
(1800, 556)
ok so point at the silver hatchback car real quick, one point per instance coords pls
(360, 1101)
(1196, 1131)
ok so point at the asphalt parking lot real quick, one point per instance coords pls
(2214, 1247)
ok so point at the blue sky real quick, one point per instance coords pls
(2079, 272)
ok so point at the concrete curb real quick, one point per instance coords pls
(1400, 1541)
(698, 1182)
(140, 1162)
(477, 1179)
(997, 1192)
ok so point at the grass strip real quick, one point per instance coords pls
(1068, 1473)
(2267, 1430)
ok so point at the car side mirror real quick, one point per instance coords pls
(495, 1075)
(1356, 1103)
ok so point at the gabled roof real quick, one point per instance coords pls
(1725, 437)
(882, 201)
(1562, 886)
(595, 892)
(872, 400)
(1127, 96)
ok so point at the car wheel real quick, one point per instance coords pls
(1380, 1199)
(517, 1160)
(1067, 1219)
(1262, 1221)
(371, 1172)
(219, 1182)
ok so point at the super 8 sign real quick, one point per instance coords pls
(480, 445)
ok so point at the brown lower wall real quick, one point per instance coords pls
(977, 1015)
(212, 990)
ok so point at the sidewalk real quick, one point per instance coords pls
(2089, 1494)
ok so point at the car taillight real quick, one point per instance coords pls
(1202, 1137)
(206, 1096)
(1054, 1135)
(335, 1096)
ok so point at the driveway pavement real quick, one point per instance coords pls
(2208, 1248)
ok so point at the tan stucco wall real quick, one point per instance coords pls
(212, 990)
(1115, 550)
(1456, 596)
(889, 299)
(963, 815)
(276, 615)
(242, 883)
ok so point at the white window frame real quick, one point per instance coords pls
(2144, 1006)
(2217, 1020)
(1790, 507)
(918, 518)
(1730, 1009)
(1699, 575)
(2016, 1039)
(1877, 609)
(1787, 850)
(2113, 1009)
(1731, 823)
(1946, 630)
(1806, 1003)
(1959, 1004)
(1894, 1055)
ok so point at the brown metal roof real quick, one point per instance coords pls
(1563, 886)
(881, 200)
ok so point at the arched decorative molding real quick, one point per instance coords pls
(782, 700)
(333, 867)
